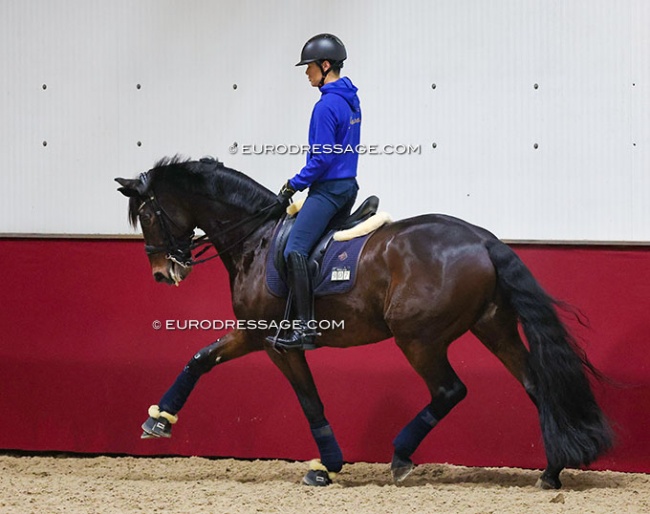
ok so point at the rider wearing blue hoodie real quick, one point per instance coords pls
(334, 134)
(330, 174)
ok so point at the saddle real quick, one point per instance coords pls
(367, 209)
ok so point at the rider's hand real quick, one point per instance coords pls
(285, 194)
(283, 199)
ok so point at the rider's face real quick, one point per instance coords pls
(313, 74)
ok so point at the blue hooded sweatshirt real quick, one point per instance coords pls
(334, 134)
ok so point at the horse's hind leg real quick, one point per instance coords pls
(446, 389)
(498, 331)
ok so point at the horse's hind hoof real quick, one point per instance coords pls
(155, 428)
(545, 482)
(401, 468)
(317, 477)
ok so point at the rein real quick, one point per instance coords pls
(180, 250)
(203, 240)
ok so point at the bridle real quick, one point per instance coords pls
(176, 249)
(179, 249)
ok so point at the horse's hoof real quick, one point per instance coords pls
(401, 468)
(155, 428)
(548, 483)
(317, 477)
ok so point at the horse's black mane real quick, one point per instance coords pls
(206, 177)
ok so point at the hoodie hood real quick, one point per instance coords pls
(344, 88)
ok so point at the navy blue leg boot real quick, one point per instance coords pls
(408, 440)
(323, 470)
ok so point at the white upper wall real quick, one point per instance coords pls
(71, 70)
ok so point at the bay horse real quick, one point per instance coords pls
(424, 281)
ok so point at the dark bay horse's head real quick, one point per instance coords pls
(175, 196)
(167, 228)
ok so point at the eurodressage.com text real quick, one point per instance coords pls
(324, 149)
(245, 324)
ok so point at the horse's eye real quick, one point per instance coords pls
(146, 219)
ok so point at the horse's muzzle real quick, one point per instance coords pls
(171, 273)
(160, 277)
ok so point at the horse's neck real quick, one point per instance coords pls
(237, 248)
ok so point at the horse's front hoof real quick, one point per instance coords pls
(546, 482)
(401, 468)
(318, 474)
(317, 477)
(156, 428)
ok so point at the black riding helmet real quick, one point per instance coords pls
(323, 47)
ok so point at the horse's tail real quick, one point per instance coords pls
(574, 429)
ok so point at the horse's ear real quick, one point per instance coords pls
(129, 186)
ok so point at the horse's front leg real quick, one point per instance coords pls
(165, 414)
(294, 366)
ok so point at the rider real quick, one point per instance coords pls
(330, 174)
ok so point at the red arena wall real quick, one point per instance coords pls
(80, 363)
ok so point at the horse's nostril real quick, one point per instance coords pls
(159, 276)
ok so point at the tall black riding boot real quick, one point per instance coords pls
(300, 336)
